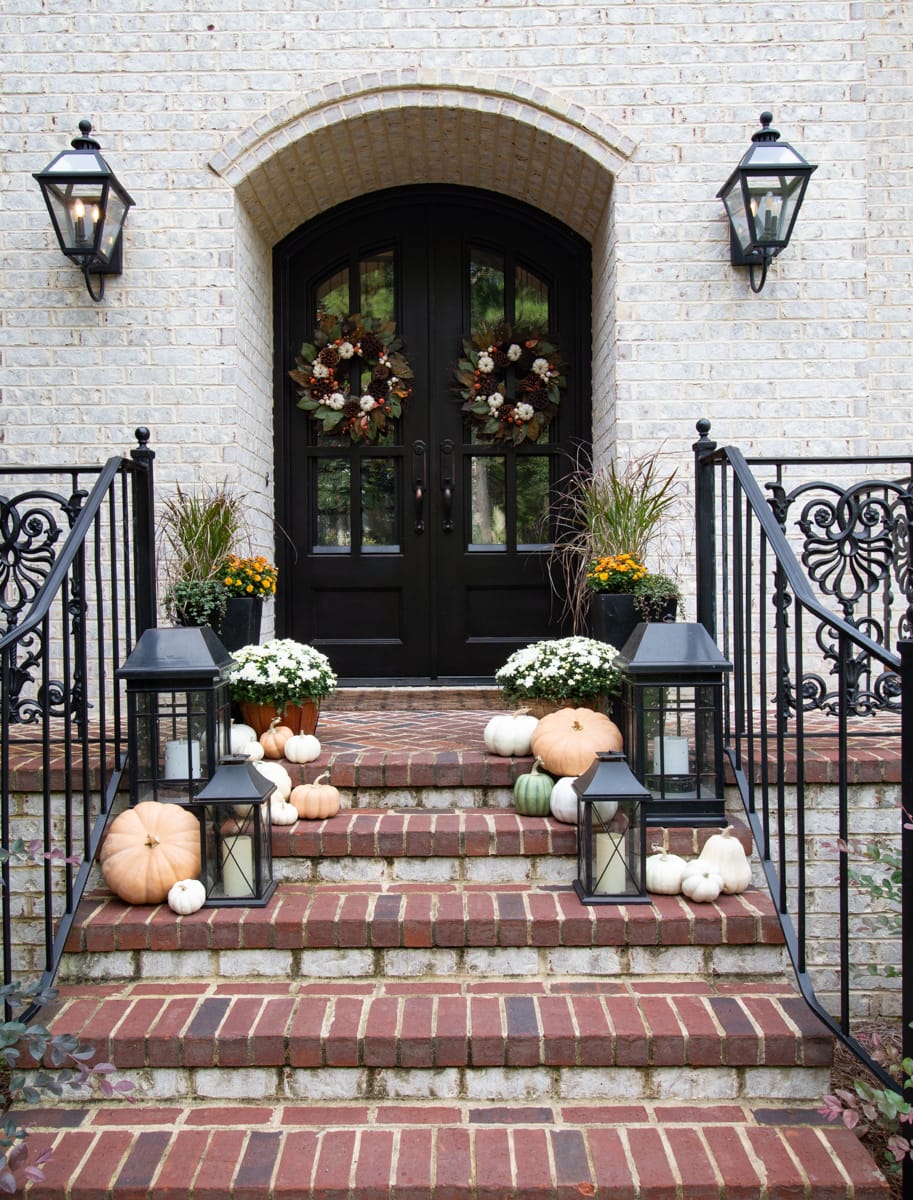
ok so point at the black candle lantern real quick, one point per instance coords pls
(672, 720)
(178, 712)
(236, 845)
(611, 833)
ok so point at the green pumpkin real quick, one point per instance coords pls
(532, 792)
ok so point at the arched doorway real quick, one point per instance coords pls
(424, 556)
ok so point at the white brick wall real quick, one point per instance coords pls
(232, 126)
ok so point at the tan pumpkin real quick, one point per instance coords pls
(316, 801)
(568, 740)
(273, 741)
(148, 849)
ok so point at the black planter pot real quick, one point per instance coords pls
(241, 623)
(614, 616)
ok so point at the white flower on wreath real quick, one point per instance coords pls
(541, 367)
(486, 364)
(367, 404)
(346, 349)
(319, 370)
(336, 401)
(525, 411)
(514, 351)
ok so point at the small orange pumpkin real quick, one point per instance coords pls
(316, 801)
(568, 740)
(273, 741)
(148, 849)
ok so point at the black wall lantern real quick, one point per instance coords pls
(672, 720)
(88, 207)
(611, 833)
(178, 712)
(763, 196)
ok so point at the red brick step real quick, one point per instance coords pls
(489, 1023)
(448, 1152)
(321, 916)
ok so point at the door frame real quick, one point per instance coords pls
(575, 342)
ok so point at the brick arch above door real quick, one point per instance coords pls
(366, 134)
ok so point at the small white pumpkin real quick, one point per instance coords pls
(664, 872)
(186, 896)
(239, 736)
(723, 854)
(278, 777)
(281, 812)
(302, 748)
(253, 751)
(701, 884)
(508, 734)
(563, 800)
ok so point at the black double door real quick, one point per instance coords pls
(424, 556)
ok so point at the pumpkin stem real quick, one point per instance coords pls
(660, 849)
(576, 725)
(536, 767)
(323, 775)
(274, 722)
(151, 840)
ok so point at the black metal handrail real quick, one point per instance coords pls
(71, 614)
(787, 646)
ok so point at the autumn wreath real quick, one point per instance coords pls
(510, 381)
(354, 378)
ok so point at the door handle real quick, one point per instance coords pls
(447, 482)
(418, 484)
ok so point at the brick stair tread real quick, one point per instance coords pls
(428, 1025)
(441, 1151)
(469, 832)
(371, 915)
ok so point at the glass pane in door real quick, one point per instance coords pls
(333, 296)
(487, 498)
(378, 505)
(532, 502)
(531, 299)
(376, 278)
(332, 504)
(486, 287)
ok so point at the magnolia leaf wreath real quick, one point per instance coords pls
(510, 381)
(354, 379)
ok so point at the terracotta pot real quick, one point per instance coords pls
(300, 718)
(541, 708)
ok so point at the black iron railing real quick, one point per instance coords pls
(806, 585)
(77, 587)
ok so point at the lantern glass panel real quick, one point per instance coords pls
(610, 848)
(237, 853)
(677, 740)
(180, 738)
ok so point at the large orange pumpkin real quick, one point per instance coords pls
(568, 740)
(147, 849)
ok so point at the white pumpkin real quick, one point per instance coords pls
(253, 751)
(664, 872)
(563, 800)
(186, 896)
(239, 736)
(723, 854)
(281, 812)
(302, 748)
(508, 734)
(277, 775)
(700, 884)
